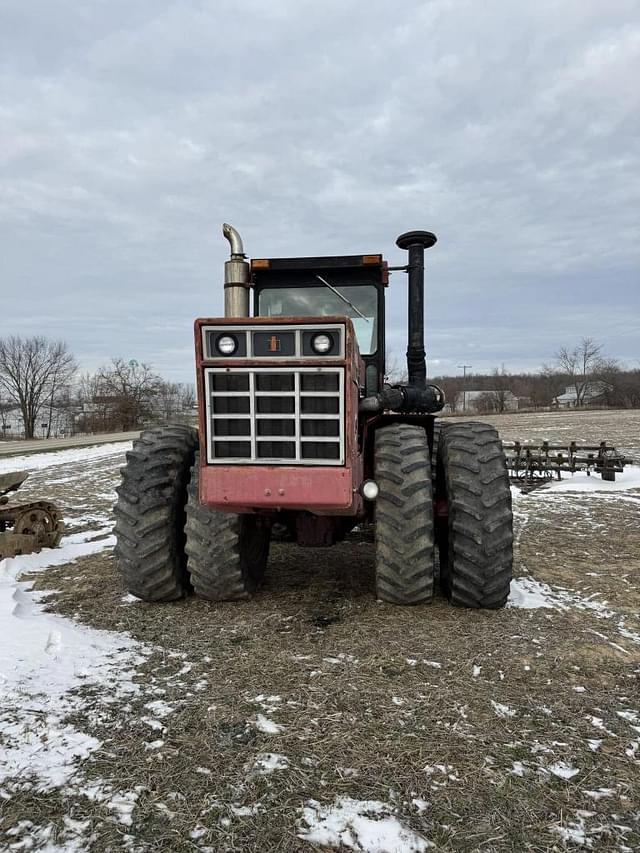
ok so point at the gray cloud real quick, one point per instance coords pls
(129, 132)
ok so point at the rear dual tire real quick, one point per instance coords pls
(404, 515)
(475, 539)
(466, 477)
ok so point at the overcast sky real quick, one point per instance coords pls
(129, 131)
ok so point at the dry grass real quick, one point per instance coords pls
(382, 721)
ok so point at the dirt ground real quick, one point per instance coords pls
(516, 730)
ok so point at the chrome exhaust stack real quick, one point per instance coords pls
(237, 276)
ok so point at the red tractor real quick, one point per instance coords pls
(298, 431)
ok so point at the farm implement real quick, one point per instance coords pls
(29, 527)
(533, 465)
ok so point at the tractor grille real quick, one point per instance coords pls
(275, 415)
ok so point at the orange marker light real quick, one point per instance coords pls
(260, 264)
(371, 259)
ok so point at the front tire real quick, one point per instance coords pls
(475, 539)
(150, 513)
(227, 553)
(404, 515)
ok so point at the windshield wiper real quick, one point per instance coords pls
(344, 298)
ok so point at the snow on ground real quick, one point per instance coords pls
(42, 461)
(365, 825)
(44, 660)
(580, 482)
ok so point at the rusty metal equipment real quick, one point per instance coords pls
(26, 528)
(532, 465)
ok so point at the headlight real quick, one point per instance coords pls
(321, 343)
(227, 344)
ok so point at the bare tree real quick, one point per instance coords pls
(581, 365)
(500, 392)
(452, 387)
(173, 400)
(546, 387)
(395, 371)
(486, 403)
(32, 372)
(126, 390)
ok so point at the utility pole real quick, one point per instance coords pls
(464, 368)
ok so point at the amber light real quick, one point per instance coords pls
(371, 259)
(260, 264)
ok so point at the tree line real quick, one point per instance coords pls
(583, 369)
(39, 380)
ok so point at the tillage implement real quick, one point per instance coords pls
(298, 431)
(29, 527)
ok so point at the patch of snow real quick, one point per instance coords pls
(364, 825)
(630, 715)
(123, 804)
(503, 711)
(529, 594)
(518, 768)
(130, 599)
(563, 770)
(159, 708)
(267, 726)
(574, 832)
(43, 659)
(599, 793)
(268, 762)
(580, 482)
(153, 723)
(476, 671)
(198, 831)
(44, 461)
(71, 548)
(245, 811)
(598, 723)
(432, 663)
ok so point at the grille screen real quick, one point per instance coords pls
(268, 415)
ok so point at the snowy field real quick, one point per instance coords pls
(314, 716)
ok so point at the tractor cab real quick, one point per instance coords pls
(350, 285)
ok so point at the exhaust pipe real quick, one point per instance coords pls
(236, 276)
(416, 242)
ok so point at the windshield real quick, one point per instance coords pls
(322, 301)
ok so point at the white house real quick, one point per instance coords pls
(11, 424)
(595, 394)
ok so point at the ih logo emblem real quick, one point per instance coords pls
(274, 343)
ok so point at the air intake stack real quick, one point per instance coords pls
(416, 242)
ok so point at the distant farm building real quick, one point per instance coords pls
(595, 394)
